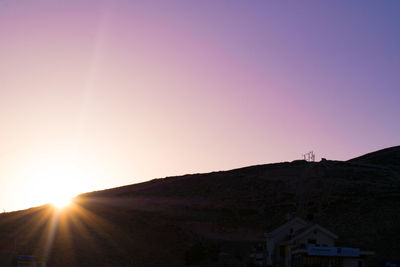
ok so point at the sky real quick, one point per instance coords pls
(98, 94)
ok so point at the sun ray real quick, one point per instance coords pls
(68, 236)
(51, 234)
(35, 222)
(99, 224)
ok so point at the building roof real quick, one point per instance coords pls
(300, 233)
(285, 225)
(303, 232)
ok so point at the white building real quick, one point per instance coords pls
(298, 243)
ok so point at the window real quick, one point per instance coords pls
(282, 251)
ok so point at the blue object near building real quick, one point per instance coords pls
(334, 251)
(394, 263)
(30, 261)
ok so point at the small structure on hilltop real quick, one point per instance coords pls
(310, 156)
(298, 243)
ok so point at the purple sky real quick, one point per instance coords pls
(118, 92)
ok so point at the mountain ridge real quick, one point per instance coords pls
(225, 211)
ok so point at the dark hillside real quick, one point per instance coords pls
(385, 157)
(198, 218)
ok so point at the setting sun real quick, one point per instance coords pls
(56, 179)
(61, 203)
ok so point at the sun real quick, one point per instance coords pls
(60, 191)
(56, 181)
(61, 203)
(59, 195)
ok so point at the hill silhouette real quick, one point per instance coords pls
(215, 218)
(385, 157)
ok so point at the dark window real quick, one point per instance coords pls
(282, 251)
(312, 241)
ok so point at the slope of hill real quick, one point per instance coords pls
(385, 157)
(194, 219)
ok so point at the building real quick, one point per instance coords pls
(31, 261)
(9, 256)
(298, 243)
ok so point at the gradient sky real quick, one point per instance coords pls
(98, 94)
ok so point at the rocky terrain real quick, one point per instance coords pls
(215, 219)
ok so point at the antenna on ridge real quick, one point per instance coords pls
(310, 156)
